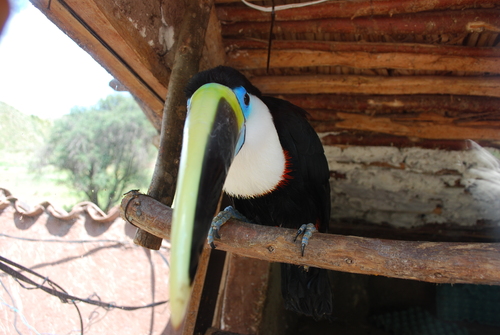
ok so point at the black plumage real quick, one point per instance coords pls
(303, 198)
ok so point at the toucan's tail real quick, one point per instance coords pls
(307, 292)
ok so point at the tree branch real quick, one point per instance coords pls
(446, 262)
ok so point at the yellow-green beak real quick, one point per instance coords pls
(213, 128)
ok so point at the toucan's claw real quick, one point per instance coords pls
(228, 213)
(300, 231)
(307, 230)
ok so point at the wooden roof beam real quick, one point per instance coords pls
(126, 55)
(353, 84)
(257, 59)
(233, 45)
(387, 104)
(414, 125)
(429, 121)
(427, 23)
(111, 36)
(214, 53)
(349, 137)
(347, 9)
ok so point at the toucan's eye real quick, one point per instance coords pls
(246, 99)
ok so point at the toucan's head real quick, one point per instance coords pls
(219, 104)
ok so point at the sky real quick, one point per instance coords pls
(42, 71)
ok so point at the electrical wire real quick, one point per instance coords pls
(118, 242)
(61, 294)
(61, 241)
(17, 312)
(282, 7)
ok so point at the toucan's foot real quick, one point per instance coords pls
(228, 213)
(307, 230)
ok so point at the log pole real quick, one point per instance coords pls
(191, 41)
(436, 262)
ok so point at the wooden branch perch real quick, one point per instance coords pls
(477, 263)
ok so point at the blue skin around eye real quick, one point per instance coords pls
(240, 93)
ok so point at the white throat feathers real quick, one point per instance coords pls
(260, 165)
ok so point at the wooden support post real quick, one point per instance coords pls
(190, 46)
(244, 294)
(436, 262)
(187, 326)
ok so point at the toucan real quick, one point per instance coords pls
(263, 153)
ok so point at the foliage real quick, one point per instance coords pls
(21, 133)
(105, 148)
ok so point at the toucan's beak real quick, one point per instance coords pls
(213, 132)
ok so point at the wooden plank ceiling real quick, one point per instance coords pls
(361, 68)
(413, 74)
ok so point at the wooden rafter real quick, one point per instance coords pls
(347, 9)
(257, 59)
(428, 23)
(367, 138)
(434, 117)
(340, 84)
(128, 58)
(415, 125)
(373, 47)
(451, 105)
(111, 36)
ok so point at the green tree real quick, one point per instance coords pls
(106, 148)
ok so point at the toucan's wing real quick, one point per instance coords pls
(306, 153)
(306, 292)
